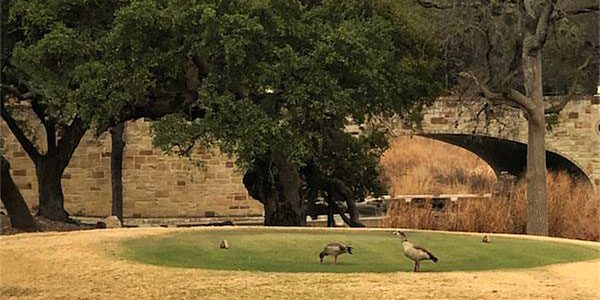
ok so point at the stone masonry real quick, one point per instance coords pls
(154, 184)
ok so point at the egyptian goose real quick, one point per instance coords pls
(486, 239)
(415, 253)
(335, 249)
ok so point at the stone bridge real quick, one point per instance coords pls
(499, 135)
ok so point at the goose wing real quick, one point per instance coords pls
(431, 256)
(338, 245)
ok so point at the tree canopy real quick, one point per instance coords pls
(271, 81)
(287, 78)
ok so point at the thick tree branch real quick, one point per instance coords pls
(529, 10)
(39, 110)
(70, 140)
(20, 135)
(537, 39)
(50, 135)
(510, 97)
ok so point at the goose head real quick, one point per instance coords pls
(400, 234)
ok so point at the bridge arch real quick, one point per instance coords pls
(508, 155)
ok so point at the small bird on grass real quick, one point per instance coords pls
(224, 244)
(335, 249)
(416, 253)
(486, 239)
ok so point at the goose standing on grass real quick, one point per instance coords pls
(335, 249)
(413, 252)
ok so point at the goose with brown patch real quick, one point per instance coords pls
(335, 249)
(416, 253)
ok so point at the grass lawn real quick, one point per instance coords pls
(256, 249)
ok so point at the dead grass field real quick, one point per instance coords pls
(82, 265)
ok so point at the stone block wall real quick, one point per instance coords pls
(154, 184)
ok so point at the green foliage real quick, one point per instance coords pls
(176, 131)
(353, 159)
(280, 70)
(263, 74)
(279, 251)
(56, 37)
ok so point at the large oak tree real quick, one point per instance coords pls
(286, 77)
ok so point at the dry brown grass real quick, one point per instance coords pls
(416, 165)
(83, 265)
(419, 166)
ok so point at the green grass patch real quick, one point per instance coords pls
(297, 251)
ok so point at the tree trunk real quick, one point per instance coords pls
(275, 182)
(49, 172)
(330, 210)
(288, 206)
(340, 192)
(116, 164)
(537, 206)
(18, 212)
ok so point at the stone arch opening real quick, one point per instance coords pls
(509, 156)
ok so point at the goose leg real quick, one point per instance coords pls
(334, 259)
(418, 265)
(415, 268)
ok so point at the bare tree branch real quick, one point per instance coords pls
(510, 97)
(488, 54)
(555, 109)
(561, 14)
(583, 10)
(19, 134)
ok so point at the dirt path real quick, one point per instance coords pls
(81, 265)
